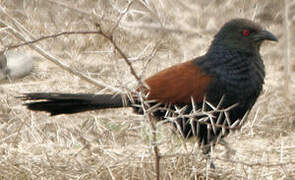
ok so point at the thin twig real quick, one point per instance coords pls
(122, 54)
(155, 146)
(52, 36)
(122, 14)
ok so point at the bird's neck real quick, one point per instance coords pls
(238, 69)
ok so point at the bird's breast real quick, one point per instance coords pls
(239, 76)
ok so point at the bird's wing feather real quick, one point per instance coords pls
(177, 84)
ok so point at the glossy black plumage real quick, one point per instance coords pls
(231, 69)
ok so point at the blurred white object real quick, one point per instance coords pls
(15, 65)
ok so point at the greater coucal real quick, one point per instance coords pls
(231, 70)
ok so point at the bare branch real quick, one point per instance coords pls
(52, 36)
(155, 146)
(122, 54)
(122, 14)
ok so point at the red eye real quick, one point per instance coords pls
(246, 32)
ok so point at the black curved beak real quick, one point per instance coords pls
(265, 35)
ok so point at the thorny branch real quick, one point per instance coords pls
(151, 119)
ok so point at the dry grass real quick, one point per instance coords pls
(116, 144)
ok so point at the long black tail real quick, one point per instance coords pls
(60, 103)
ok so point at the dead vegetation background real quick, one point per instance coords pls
(116, 144)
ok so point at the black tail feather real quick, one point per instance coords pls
(60, 103)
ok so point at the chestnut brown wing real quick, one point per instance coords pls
(177, 84)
